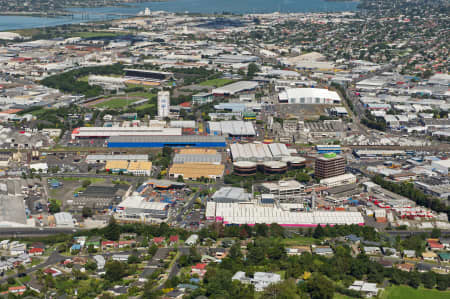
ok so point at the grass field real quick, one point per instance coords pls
(216, 82)
(145, 106)
(298, 241)
(404, 292)
(115, 103)
(95, 34)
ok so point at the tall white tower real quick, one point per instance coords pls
(163, 104)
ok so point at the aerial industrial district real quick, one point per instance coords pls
(195, 156)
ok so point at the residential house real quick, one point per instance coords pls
(19, 290)
(260, 280)
(127, 243)
(53, 272)
(75, 247)
(429, 256)
(186, 286)
(434, 245)
(4, 244)
(80, 240)
(385, 263)
(80, 260)
(444, 256)
(409, 254)
(173, 239)
(158, 240)
(407, 267)
(297, 250)
(391, 252)
(35, 251)
(368, 289)
(192, 240)
(120, 257)
(445, 242)
(16, 248)
(422, 267)
(94, 242)
(175, 294)
(209, 259)
(218, 252)
(108, 245)
(353, 238)
(100, 260)
(4, 266)
(128, 236)
(199, 269)
(372, 250)
(323, 250)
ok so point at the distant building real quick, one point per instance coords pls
(309, 96)
(441, 166)
(330, 165)
(260, 280)
(202, 98)
(163, 104)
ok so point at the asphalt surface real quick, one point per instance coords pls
(54, 258)
(34, 232)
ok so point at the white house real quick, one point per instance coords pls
(192, 240)
(260, 280)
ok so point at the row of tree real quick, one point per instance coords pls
(408, 190)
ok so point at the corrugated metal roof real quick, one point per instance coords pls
(197, 158)
(168, 139)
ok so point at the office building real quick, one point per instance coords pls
(163, 104)
(329, 165)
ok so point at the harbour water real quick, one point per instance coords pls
(193, 6)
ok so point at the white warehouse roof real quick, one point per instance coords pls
(251, 213)
(258, 152)
(309, 96)
(233, 128)
(234, 88)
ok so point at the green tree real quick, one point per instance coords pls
(115, 270)
(85, 183)
(429, 280)
(87, 212)
(320, 287)
(133, 259)
(436, 233)
(319, 232)
(303, 177)
(54, 207)
(414, 279)
(283, 290)
(152, 249)
(112, 231)
(252, 69)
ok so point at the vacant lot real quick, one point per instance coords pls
(404, 292)
(216, 82)
(115, 103)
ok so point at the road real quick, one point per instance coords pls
(54, 258)
(34, 232)
(187, 206)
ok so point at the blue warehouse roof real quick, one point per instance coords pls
(161, 141)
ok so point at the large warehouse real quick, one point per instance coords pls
(258, 152)
(235, 88)
(234, 128)
(251, 213)
(106, 132)
(171, 141)
(137, 208)
(309, 96)
(148, 74)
